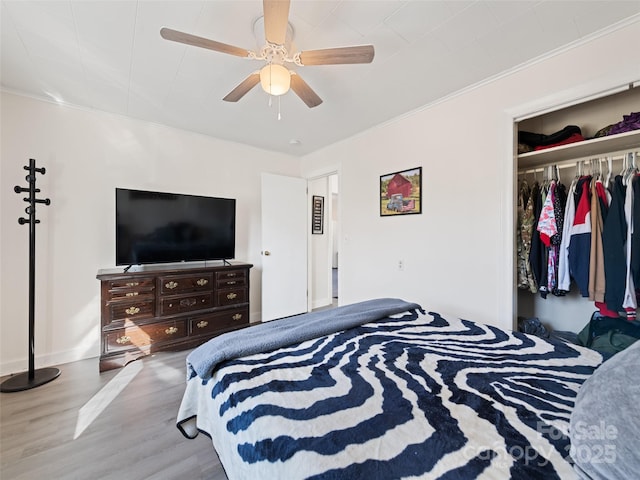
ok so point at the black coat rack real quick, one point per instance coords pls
(32, 378)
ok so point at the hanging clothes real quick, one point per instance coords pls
(523, 198)
(635, 237)
(538, 254)
(550, 229)
(629, 303)
(564, 277)
(559, 205)
(586, 235)
(526, 220)
(614, 234)
(597, 279)
(580, 238)
(547, 227)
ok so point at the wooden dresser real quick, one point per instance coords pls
(160, 308)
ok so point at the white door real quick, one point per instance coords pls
(284, 246)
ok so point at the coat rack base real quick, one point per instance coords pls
(24, 381)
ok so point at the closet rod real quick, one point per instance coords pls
(617, 155)
(542, 168)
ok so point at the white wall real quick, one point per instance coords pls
(87, 154)
(458, 254)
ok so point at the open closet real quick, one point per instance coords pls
(598, 154)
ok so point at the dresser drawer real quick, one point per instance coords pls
(129, 294)
(185, 303)
(137, 336)
(141, 307)
(172, 284)
(232, 282)
(128, 287)
(230, 275)
(210, 324)
(231, 296)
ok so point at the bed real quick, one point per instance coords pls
(381, 390)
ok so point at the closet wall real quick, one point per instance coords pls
(572, 312)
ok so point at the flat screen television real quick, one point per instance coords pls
(159, 227)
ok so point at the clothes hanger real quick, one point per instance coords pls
(634, 166)
(545, 178)
(576, 177)
(631, 169)
(598, 176)
(623, 167)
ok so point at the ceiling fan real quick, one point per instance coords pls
(274, 77)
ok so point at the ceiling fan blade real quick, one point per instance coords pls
(181, 37)
(244, 87)
(335, 56)
(276, 18)
(304, 91)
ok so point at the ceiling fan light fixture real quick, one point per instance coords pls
(275, 79)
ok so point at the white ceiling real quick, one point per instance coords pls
(108, 55)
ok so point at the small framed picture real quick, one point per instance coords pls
(317, 215)
(401, 192)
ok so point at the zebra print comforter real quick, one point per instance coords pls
(409, 396)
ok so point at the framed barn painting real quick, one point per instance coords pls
(401, 192)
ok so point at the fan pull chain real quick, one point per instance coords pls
(270, 102)
(279, 116)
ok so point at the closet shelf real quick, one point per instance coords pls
(578, 150)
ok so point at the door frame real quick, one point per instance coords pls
(589, 90)
(311, 176)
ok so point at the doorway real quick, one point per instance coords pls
(323, 247)
(333, 188)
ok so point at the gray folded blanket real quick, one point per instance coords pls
(269, 336)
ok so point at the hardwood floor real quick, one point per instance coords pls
(118, 424)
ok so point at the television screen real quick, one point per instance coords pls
(157, 227)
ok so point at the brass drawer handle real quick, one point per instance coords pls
(232, 282)
(133, 284)
(123, 339)
(202, 282)
(231, 274)
(231, 295)
(171, 330)
(171, 285)
(132, 310)
(187, 302)
(237, 316)
(131, 294)
(202, 324)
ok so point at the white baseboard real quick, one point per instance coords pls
(47, 360)
(321, 302)
(255, 317)
(60, 358)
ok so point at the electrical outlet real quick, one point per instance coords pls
(401, 265)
